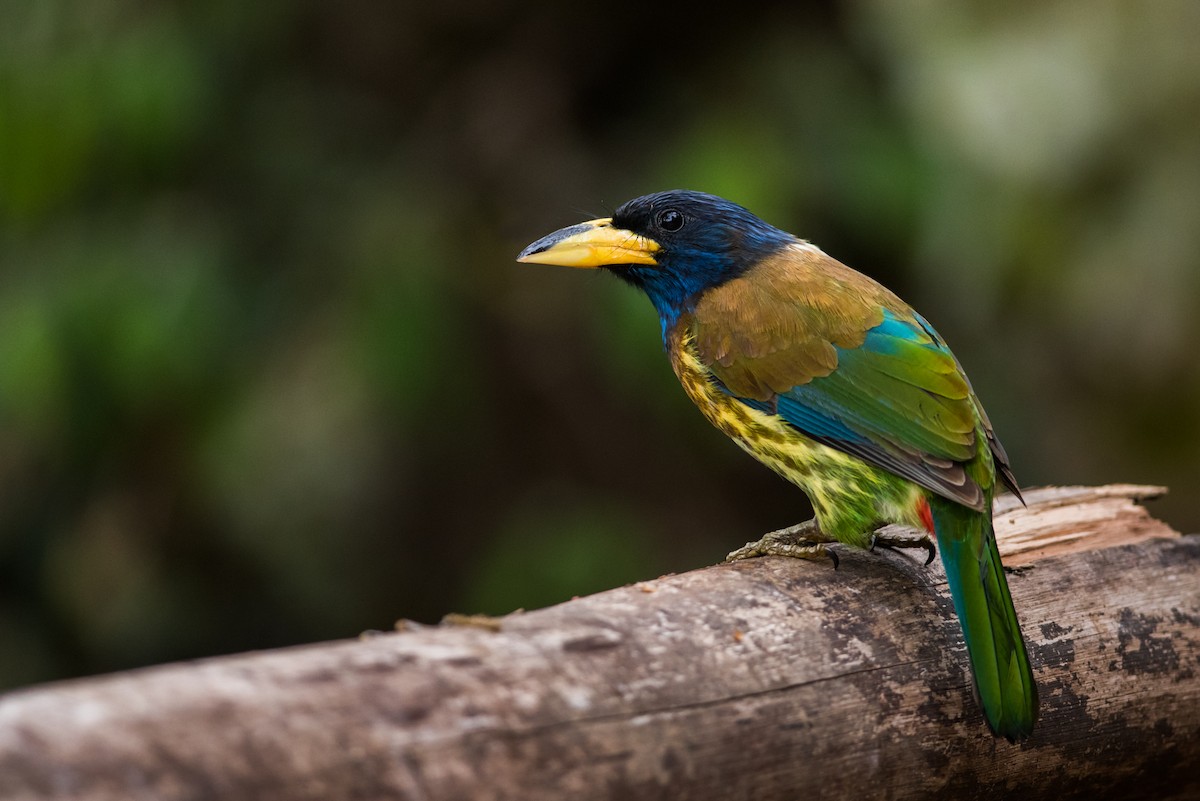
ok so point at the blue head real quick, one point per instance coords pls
(673, 245)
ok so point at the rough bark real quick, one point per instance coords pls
(765, 679)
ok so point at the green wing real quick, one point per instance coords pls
(848, 364)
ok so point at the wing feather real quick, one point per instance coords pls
(847, 363)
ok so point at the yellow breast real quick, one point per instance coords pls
(767, 437)
(831, 479)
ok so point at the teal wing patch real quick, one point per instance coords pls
(897, 401)
(846, 363)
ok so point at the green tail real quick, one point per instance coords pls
(989, 622)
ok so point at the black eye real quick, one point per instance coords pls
(670, 220)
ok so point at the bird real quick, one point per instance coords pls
(835, 383)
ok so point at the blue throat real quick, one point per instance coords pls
(676, 291)
(682, 277)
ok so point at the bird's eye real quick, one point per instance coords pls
(670, 220)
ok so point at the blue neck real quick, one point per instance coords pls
(678, 282)
(671, 293)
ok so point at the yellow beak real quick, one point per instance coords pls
(591, 244)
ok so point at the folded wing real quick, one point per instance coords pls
(848, 364)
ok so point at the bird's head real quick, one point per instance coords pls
(673, 245)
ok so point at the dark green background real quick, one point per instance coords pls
(269, 374)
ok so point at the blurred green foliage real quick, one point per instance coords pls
(269, 374)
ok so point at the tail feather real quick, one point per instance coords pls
(984, 606)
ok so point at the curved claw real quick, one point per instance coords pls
(893, 543)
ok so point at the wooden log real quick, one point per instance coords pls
(765, 679)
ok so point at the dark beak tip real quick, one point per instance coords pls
(550, 240)
(529, 250)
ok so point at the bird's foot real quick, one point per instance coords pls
(895, 537)
(802, 541)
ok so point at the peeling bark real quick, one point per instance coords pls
(765, 679)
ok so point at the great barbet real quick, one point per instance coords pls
(832, 381)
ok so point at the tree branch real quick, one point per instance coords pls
(765, 679)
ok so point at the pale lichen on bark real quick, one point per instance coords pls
(766, 679)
